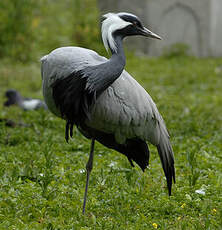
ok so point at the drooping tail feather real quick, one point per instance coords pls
(167, 157)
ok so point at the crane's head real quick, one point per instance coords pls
(122, 24)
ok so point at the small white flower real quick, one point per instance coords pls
(82, 171)
(200, 191)
(112, 164)
(188, 197)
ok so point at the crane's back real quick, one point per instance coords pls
(61, 63)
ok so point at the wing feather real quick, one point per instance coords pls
(62, 63)
(127, 109)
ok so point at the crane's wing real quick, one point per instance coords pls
(126, 110)
(63, 80)
(61, 62)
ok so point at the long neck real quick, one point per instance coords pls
(115, 65)
(103, 75)
(118, 54)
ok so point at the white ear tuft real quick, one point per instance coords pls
(111, 23)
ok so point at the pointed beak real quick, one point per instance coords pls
(147, 33)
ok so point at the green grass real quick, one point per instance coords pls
(42, 178)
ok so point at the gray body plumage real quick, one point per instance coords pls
(124, 108)
(105, 103)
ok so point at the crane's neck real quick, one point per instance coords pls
(101, 76)
(117, 61)
(118, 53)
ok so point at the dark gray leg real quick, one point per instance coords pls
(89, 167)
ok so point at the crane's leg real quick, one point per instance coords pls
(89, 167)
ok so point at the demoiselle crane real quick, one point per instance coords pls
(105, 103)
(15, 98)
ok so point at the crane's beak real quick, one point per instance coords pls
(147, 33)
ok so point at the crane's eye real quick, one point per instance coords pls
(137, 24)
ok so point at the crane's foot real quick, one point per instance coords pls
(89, 167)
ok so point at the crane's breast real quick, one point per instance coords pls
(126, 110)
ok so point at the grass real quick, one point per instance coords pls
(42, 178)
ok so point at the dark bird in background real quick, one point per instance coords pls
(103, 101)
(15, 98)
